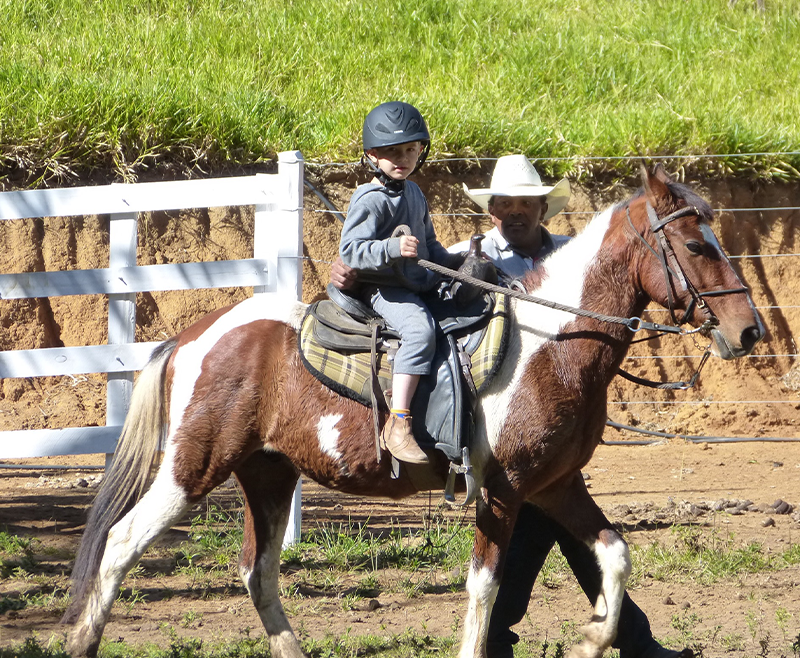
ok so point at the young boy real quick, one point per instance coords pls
(396, 142)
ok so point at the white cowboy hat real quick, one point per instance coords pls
(514, 175)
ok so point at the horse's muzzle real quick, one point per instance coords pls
(748, 338)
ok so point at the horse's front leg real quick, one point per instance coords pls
(574, 508)
(493, 526)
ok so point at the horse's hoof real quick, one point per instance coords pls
(81, 646)
(585, 650)
(285, 645)
(597, 640)
(597, 632)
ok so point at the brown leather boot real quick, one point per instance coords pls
(397, 438)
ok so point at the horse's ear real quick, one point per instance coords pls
(662, 175)
(655, 183)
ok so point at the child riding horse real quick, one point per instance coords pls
(230, 395)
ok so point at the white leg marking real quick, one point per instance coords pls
(615, 565)
(262, 585)
(128, 539)
(328, 435)
(482, 588)
(563, 280)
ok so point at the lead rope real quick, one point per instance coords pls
(634, 324)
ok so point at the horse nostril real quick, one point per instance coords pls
(751, 336)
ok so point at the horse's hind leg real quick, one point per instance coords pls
(268, 481)
(575, 509)
(157, 511)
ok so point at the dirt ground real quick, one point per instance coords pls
(651, 492)
(647, 490)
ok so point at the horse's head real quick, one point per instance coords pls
(684, 268)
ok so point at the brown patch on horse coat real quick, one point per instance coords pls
(268, 481)
(495, 522)
(544, 442)
(357, 471)
(608, 537)
(220, 428)
(253, 392)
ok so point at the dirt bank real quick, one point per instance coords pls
(82, 242)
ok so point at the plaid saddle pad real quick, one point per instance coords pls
(349, 372)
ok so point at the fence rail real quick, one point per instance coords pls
(274, 270)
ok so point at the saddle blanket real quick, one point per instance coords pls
(350, 374)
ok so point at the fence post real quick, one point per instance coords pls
(121, 316)
(283, 240)
(290, 223)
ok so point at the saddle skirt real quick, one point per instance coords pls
(338, 349)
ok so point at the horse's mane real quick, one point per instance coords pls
(533, 278)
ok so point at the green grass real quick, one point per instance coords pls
(16, 554)
(352, 547)
(406, 645)
(14, 544)
(115, 88)
(214, 537)
(352, 562)
(444, 545)
(705, 558)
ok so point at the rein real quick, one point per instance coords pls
(634, 324)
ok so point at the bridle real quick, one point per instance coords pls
(674, 271)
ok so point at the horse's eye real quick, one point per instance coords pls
(695, 247)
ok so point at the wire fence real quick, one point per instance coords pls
(688, 157)
(587, 215)
(667, 357)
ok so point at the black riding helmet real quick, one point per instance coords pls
(394, 123)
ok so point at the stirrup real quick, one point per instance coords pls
(465, 468)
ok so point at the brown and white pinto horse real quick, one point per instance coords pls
(230, 395)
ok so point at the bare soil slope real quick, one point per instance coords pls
(186, 236)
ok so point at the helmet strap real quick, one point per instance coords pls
(386, 181)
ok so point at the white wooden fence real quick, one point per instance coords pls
(275, 269)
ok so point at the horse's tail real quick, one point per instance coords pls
(134, 463)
